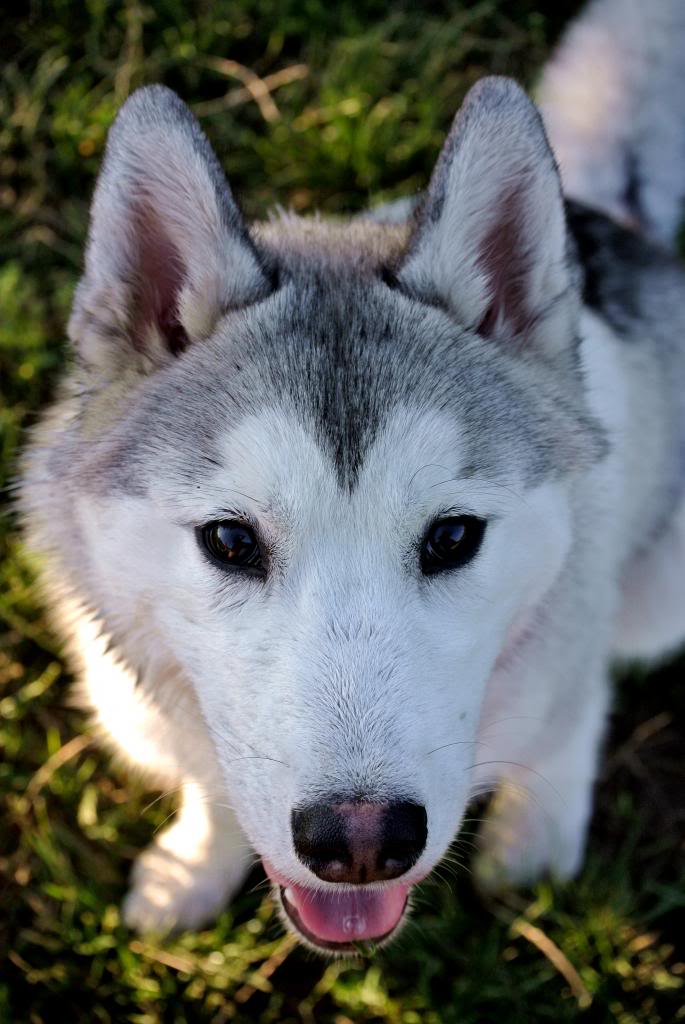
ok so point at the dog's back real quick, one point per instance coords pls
(613, 100)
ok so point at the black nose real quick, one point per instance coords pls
(356, 842)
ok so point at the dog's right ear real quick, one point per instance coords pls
(168, 252)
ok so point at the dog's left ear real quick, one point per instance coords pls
(490, 242)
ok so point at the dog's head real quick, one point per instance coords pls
(328, 472)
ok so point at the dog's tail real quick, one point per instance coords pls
(613, 101)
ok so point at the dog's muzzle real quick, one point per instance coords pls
(365, 848)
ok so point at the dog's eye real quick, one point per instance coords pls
(233, 544)
(451, 543)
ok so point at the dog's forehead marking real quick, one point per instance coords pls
(344, 351)
(414, 453)
(418, 467)
(347, 355)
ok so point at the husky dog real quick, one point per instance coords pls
(345, 522)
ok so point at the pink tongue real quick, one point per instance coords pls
(348, 916)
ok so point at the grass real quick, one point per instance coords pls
(361, 96)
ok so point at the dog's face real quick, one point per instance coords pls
(332, 494)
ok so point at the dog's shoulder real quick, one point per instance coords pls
(622, 270)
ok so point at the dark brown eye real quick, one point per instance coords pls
(233, 544)
(451, 543)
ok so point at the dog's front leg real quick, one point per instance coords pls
(192, 869)
(538, 819)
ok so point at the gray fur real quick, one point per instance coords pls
(343, 349)
(341, 387)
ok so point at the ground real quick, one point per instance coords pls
(311, 105)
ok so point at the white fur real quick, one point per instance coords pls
(352, 664)
(354, 681)
(346, 670)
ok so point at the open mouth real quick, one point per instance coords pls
(337, 920)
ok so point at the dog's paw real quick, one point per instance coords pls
(171, 892)
(521, 841)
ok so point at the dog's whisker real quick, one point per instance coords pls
(259, 757)
(524, 767)
(161, 796)
(226, 731)
(455, 743)
(486, 726)
(170, 815)
(421, 469)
